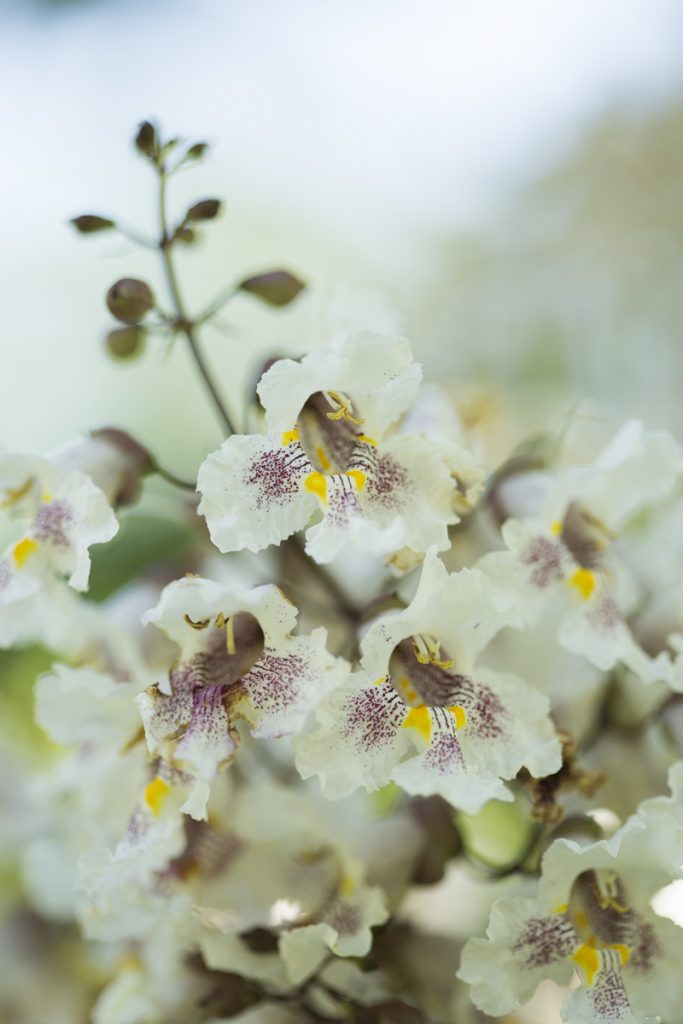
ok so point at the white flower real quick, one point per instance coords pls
(592, 918)
(421, 688)
(567, 555)
(329, 449)
(238, 659)
(63, 515)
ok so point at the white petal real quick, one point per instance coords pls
(253, 492)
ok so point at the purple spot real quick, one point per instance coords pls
(545, 940)
(388, 484)
(544, 557)
(277, 474)
(372, 717)
(51, 522)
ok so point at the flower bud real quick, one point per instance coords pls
(113, 459)
(89, 223)
(146, 140)
(126, 342)
(197, 151)
(129, 300)
(276, 287)
(205, 209)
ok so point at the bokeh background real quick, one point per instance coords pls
(505, 180)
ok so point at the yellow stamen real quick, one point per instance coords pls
(359, 476)
(407, 688)
(584, 581)
(427, 651)
(230, 634)
(201, 624)
(22, 550)
(13, 496)
(155, 795)
(322, 458)
(347, 885)
(290, 436)
(460, 716)
(368, 440)
(317, 483)
(588, 959)
(344, 411)
(419, 719)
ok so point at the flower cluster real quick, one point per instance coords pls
(294, 763)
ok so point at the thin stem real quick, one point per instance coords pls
(184, 322)
(171, 478)
(217, 304)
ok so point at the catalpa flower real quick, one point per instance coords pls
(592, 918)
(237, 659)
(63, 514)
(421, 689)
(568, 560)
(328, 449)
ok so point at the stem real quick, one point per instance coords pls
(217, 304)
(171, 478)
(184, 322)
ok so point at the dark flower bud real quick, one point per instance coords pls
(129, 300)
(89, 223)
(276, 287)
(205, 209)
(196, 151)
(126, 342)
(146, 140)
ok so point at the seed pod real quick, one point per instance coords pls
(276, 287)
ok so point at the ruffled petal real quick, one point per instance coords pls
(253, 492)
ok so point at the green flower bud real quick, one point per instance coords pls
(126, 342)
(129, 300)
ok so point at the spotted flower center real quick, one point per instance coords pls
(609, 931)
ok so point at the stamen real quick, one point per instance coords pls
(201, 624)
(13, 496)
(427, 651)
(607, 891)
(344, 412)
(230, 634)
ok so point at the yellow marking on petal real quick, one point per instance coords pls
(322, 457)
(407, 688)
(155, 795)
(368, 440)
(359, 477)
(584, 581)
(623, 951)
(561, 908)
(22, 550)
(556, 527)
(46, 497)
(581, 919)
(317, 483)
(588, 959)
(379, 682)
(420, 719)
(290, 436)
(459, 714)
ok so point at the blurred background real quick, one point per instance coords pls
(505, 181)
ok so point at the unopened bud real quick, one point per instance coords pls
(197, 151)
(205, 209)
(276, 287)
(89, 223)
(146, 140)
(126, 342)
(185, 235)
(129, 300)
